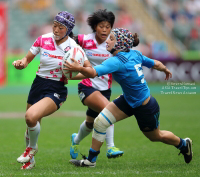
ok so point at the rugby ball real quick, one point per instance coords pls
(77, 54)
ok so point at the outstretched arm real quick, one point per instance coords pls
(23, 63)
(108, 66)
(161, 67)
(88, 72)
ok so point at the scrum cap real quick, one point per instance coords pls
(124, 39)
(66, 19)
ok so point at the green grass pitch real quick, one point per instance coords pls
(142, 158)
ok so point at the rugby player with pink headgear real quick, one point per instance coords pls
(48, 90)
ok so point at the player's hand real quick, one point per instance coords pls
(168, 74)
(71, 67)
(18, 64)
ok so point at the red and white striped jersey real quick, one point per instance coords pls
(96, 54)
(51, 56)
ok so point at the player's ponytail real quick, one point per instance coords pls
(136, 40)
(71, 34)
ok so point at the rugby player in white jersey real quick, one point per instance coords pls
(95, 93)
(47, 92)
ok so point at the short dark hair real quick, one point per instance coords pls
(99, 16)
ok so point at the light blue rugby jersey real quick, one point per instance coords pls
(126, 68)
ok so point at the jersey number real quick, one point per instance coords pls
(138, 69)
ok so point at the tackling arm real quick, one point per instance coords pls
(108, 66)
(88, 72)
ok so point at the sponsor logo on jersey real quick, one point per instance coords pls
(46, 54)
(100, 55)
(90, 54)
(47, 42)
(89, 44)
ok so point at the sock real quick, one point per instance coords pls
(26, 137)
(33, 134)
(82, 133)
(110, 136)
(182, 144)
(92, 157)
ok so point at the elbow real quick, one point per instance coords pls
(90, 73)
(159, 66)
(156, 64)
(93, 75)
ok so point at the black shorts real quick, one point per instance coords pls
(84, 92)
(147, 115)
(42, 88)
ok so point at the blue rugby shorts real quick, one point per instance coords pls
(42, 88)
(84, 92)
(147, 116)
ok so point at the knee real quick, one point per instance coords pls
(100, 127)
(100, 124)
(30, 118)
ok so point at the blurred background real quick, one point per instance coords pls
(169, 31)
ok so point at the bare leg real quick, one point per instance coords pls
(164, 136)
(167, 137)
(96, 145)
(42, 108)
(34, 114)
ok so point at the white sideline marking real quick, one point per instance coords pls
(101, 173)
(12, 115)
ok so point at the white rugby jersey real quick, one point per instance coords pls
(51, 56)
(96, 54)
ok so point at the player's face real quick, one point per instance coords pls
(59, 31)
(102, 31)
(110, 42)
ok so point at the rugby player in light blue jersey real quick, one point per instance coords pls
(126, 68)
